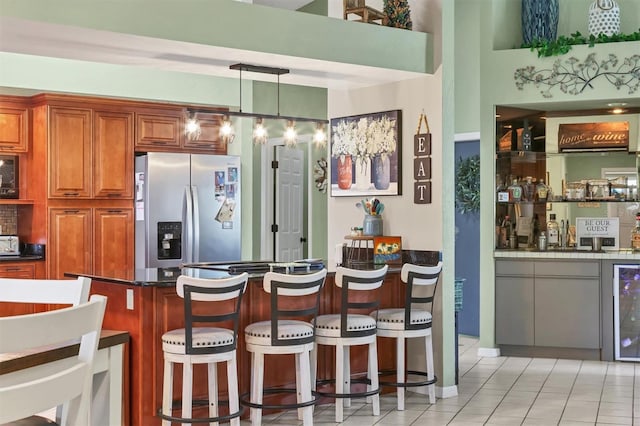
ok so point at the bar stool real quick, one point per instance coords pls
(409, 322)
(204, 345)
(289, 331)
(348, 329)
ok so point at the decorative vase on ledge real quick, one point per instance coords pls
(372, 225)
(539, 20)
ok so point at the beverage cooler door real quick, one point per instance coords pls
(626, 297)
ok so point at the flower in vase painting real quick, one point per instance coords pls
(343, 139)
(382, 136)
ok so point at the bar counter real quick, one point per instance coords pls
(148, 306)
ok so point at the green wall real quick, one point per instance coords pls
(467, 66)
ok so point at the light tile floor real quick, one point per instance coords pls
(509, 391)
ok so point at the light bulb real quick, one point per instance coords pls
(259, 132)
(290, 134)
(319, 137)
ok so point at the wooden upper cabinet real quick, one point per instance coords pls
(209, 136)
(69, 246)
(159, 131)
(113, 155)
(14, 128)
(70, 153)
(113, 243)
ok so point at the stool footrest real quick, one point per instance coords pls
(198, 403)
(347, 395)
(271, 391)
(407, 384)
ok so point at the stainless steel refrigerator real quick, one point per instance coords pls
(187, 209)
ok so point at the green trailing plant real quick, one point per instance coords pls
(563, 44)
(468, 184)
(398, 14)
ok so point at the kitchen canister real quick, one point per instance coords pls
(372, 225)
(604, 17)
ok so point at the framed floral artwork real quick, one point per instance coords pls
(366, 154)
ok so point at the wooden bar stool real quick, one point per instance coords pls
(289, 331)
(204, 345)
(409, 322)
(348, 329)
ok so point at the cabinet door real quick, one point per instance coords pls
(69, 248)
(209, 136)
(514, 311)
(157, 131)
(70, 153)
(113, 155)
(114, 245)
(14, 128)
(567, 312)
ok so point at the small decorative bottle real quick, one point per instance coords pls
(635, 234)
(529, 189)
(515, 191)
(542, 191)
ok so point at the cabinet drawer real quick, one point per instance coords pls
(567, 269)
(509, 268)
(18, 270)
(159, 131)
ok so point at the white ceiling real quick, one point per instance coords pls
(53, 40)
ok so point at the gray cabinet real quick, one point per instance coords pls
(514, 311)
(548, 303)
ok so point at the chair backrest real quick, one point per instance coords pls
(293, 285)
(67, 292)
(211, 290)
(359, 280)
(33, 390)
(424, 276)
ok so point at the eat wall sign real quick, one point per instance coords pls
(422, 164)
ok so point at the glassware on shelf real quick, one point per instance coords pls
(575, 191)
(553, 232)
(515, 191)
(529, 189)
(542, 191)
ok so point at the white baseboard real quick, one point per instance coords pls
(489, 352)
(446, 392)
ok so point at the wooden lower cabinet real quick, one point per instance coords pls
(113, 245)
(22, 270)
(91, 241)
(69, 241)
(149, 311)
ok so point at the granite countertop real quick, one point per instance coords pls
(22, 258)
(166, 277)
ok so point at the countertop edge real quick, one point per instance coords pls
(501, 254)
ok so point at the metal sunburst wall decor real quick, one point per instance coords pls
(573, 77)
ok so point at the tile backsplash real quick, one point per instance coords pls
(9, 219)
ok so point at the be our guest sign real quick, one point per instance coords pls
(606, 228)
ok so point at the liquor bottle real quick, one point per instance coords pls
(635, 234)
(515, 191)
(529, 189)
(527, 137)
(506, 232)
(553, 232)
(542, 191)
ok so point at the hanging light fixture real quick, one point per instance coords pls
(192, 127)
(227, 134)
(290, 134)
(260, 132)
(319, 137)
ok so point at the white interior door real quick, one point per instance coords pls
(289, 208)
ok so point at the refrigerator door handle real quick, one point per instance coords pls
(196, 225)
(188, 222)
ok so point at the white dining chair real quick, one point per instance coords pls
(29, 391)
(64, 292)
